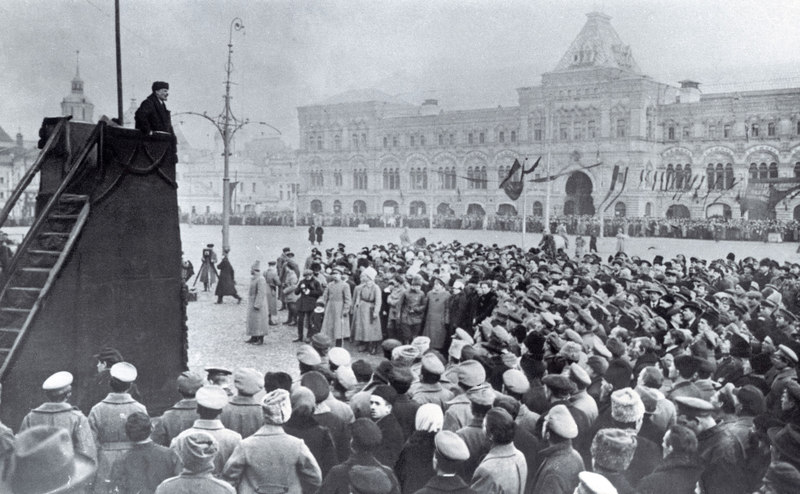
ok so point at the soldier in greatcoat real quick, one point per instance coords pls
(366, 311)
(182, 414)
(243, 412)
(107, 420)
(274, 285)
(258, 310)
(336, 298)
(57, 412)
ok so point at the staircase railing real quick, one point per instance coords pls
(76, 165)
(23, 184)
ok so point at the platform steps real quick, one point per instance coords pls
(37, 267)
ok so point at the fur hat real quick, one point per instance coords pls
(626, 406)
(613, 449)
(277, 407)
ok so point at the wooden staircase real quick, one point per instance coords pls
(36, 264)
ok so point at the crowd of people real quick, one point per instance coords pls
(691, 228)
(495, 370)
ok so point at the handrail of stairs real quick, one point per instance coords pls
(23, 184)
(76, 165)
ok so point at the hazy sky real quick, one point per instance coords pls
(466, 53)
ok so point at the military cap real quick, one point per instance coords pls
(189, 382)
(594, 483)
(455, 348)
(365, 433)
(369, 480)
(346, 377)
(317, 383)
(788, 353)
(431, 363)
(560, 421)
(421, 343)
(752, 399)
(321, 341)
(782, 477)
(509, 359)
(579, 376)
(108, 354)
(463, 335)
(558, 382)
(125, 372)
(694, 407)
(339, 356)
(248, 381)
(600, 348)
(362, 368)
(307, 355)
(215, 371)
(58, 381)
(386, 392)
(515, 381)
(449, 445)
(616, 347)
(471, 373)
(212, 397)
(482, 394)
(390, 344)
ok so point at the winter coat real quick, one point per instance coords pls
(107, 421)
(227, 440)
(558, 471)
(319, 232)
(412, 307)
(415, 466)
(502, 471)
(675, 475)
(273, 284)
(392, 443)
(227, 281)
(337, 301)
(459, 312)
(143, 468)
(272, 461)
(436, 318)
(338, 482)
(366, 311)
(175, 420)
(289, 287)
(393, 301)
(242, 414)
(257, 316)
(308, 291)
(317, 438)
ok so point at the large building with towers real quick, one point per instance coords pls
(666, 149)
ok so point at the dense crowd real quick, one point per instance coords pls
(697, 228)
(503, 371)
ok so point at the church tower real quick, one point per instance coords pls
(76, 103)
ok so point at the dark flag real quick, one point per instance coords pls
(533, 167)
(512, 188)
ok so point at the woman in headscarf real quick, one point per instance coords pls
(366, 311)
(415, 466)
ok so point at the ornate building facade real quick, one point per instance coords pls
(664, 150)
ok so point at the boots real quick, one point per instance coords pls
(271, 322)
(252, 340)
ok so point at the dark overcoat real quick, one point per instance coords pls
(675, 475)
(415, 466)
(317, 438)
(227, 281)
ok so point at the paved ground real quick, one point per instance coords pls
(216, 332)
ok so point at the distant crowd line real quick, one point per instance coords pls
(707, 229)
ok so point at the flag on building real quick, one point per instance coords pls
(512, 187)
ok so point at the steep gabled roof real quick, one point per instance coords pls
(5, 137)
(598, 45)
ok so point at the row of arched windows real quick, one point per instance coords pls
(477, 178)
(418, 178)
(719, 177)
(360, 179)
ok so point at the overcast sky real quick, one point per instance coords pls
(466, 53)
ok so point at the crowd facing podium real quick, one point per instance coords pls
(502, 371)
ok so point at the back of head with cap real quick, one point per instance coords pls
(197, 451)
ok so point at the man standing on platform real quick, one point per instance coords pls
(153, 117)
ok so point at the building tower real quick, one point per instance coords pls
(76, 103)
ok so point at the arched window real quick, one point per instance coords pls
(537, 209)
(678, 177)
(762, 171)
(619, 209)
(687, 177)
(670, 177)
(773, 168)
(720, 180)
(337, 207)
(501, 137)
(797, 169)
(753, 170)
(470, 178)
(710, 176)
(648, 209)
(728, 176)
(513, 136)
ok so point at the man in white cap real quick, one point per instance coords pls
(271, 457)
(210, 402)
(57, 411)
(107, 420)
(561, 464)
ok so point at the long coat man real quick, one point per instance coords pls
(257, 306)
(336, 298)
(153, 116)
